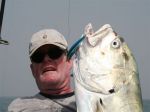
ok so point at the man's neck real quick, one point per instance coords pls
(57, 96)
(57, 91)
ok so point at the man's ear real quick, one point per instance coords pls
(70, 62)
(32, 69)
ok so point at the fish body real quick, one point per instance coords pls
(105, 73)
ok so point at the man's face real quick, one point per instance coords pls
(51, 74)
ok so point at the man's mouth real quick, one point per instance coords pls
(46, 69)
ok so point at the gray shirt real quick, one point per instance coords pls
(44, 103)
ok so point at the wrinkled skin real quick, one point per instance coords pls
(106, 75)
(52, 76)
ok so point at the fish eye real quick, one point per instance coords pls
(115, 43)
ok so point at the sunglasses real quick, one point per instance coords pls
(53, 53)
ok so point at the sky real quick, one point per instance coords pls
(22, 18)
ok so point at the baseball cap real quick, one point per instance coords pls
(47, 36)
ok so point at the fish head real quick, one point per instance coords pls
(98, 54)
(104, 48)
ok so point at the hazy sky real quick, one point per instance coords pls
(22, 18)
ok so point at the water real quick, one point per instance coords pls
(5, 101)
(146, 104)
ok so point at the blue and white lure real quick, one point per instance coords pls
(74, 47)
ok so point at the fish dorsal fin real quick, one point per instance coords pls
(94, 37)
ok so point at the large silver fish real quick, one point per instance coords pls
(105, 73)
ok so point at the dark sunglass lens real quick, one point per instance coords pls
(37, 57)
(55, 53)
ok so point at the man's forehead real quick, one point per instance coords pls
(47, 47)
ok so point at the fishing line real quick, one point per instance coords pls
(68, 22)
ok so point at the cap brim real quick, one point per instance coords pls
(56, 44)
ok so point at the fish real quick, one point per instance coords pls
(106, 76)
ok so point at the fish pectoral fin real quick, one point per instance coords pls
(99, 105)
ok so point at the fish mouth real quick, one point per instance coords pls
(49, 68)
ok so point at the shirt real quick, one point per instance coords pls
(44, 103)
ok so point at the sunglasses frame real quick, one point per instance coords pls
(53, 53)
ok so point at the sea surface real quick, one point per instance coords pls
(5, 101)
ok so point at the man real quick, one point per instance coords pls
(51, 70)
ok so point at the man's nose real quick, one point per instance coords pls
(47, 58)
